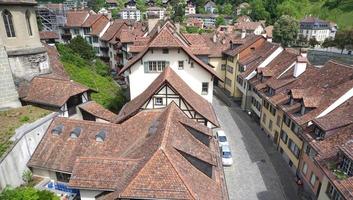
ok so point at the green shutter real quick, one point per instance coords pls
(145, 65)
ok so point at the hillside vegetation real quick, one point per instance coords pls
(93, 74)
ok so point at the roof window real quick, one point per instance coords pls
(75, 133)
(58, 129)
(101, 135)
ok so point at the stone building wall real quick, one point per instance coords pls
(8, 93)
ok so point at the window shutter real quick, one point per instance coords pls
(145, 64)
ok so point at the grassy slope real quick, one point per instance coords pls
(108, 92)
(12, 119)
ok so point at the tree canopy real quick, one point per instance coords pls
(27, 193)
(81, 46)
(285, 30)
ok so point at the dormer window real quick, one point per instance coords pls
(320, 134)
(302, 110)
(101, 135)
(75, 133)
(292, 101)
(58, 129)
(165, 51)
(271, 91)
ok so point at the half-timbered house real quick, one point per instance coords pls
(168, 87)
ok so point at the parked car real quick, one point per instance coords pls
(222, 138)
(227, 159)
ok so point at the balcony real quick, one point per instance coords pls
(59, 188)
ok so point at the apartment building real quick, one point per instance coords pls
(312, 27)
(238, 50)
(90, 26)
(323, 141)
(258, 59)
(190, 8)
(169, 48)
(155, 11)
(250, 27)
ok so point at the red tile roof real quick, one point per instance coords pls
(45, 35)
(76, 18)
(144, 157)
(52, 91)
(168, 37)
(247, 25)
(198, 103)
(248, 41)
(98, 110)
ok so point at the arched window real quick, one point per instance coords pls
(28, 20)
(7, 17)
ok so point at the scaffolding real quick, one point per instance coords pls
(51, 16)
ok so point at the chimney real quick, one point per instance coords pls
(300, 66)
(214, 38)
(152, 23)
(177, 26)
(243, 33)
(304, 52)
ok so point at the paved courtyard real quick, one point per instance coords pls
(258, 171)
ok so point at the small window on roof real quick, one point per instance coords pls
(165, 51)
(101, 135)
(75, 133)
(58, 129)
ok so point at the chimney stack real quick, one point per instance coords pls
(177, 26)
(300, 66)
(243, 33)
(214, 38)
(304, 52)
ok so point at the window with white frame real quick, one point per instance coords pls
(333, 193)
(305, 168)
(158, 101)
(155, 66)
(312, 179)
(347, 166)
(204, 88)
(180, 64)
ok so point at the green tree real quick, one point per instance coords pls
(141, 5)
(27, 193)
(285, 30)
(258, 11)
(81, 47)
(328, 43)
(313, 42)
(178, 13)
(343, 40)
(220, 20)
(159, 3)
(96, 5)
(228, 9)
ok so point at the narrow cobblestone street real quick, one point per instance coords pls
(258, 171)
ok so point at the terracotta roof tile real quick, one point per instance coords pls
(76, 18)
(45, 35)
(52, 91)
(247, 25)
(246, 42)
(126, 161)
(98, 111)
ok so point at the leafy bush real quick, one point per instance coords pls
(27, 176)
(27, 193)
(81, 47)
(109, 94)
